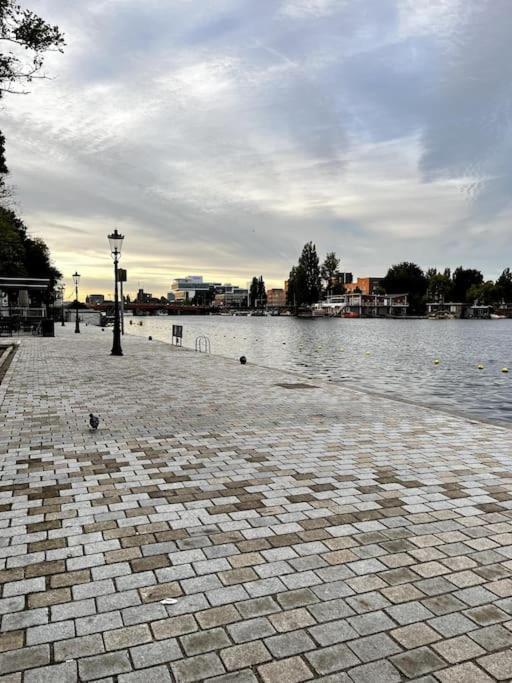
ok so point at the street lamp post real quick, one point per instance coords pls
(116, 242)
(76, 280)
(61, 290)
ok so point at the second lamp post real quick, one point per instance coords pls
(116, 242)
(76, 280)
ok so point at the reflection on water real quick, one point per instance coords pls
(392, 357)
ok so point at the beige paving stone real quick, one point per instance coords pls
(292, 670)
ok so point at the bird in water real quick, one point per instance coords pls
(94, 421)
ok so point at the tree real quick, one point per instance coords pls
(438, 285)
(253, 292)
(485, 294)
(21, 255)
(310, 282)
(504, 286)
(462, 280)
(262, 293)
(329, 269)
(407, 278)
(26, 38)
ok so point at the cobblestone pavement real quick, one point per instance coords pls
(299, 533)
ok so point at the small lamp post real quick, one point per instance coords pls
(76, 280)
(61, 291)
(116, 242)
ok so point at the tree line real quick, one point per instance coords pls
(25, 39)
(309, 282)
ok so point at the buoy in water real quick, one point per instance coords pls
(437, 361)
(243, 360)
(480, 367)
(505, 370)
(150, 338)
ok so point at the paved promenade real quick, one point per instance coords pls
(297, 532)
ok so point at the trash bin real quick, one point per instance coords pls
(47, 328)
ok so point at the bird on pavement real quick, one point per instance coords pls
(94, 421)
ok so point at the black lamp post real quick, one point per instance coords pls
(61, 290)
(76, 280)
(116, 242)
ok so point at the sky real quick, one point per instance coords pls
(220, 135)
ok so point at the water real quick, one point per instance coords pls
(390, 357)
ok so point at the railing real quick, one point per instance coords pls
(203, 344)
(22, 312)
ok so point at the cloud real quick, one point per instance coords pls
(219, 137)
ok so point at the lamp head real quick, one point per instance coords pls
(116, 243)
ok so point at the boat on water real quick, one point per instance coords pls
(495, 316)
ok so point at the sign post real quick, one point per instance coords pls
(121, 277)
(177, 335)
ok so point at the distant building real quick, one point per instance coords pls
(453, 309)
(364, 305)
(276, 298)
(186, 288)
(231, 296)
(95, 299)
(143, 297)
(366, 285)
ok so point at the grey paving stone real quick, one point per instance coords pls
(333, 632)
(371, 622)
(63, 673)
(288, 644)
(378, 646)
(26, 658)
(205, 641)
(197, 668)
(101, 666)
(151, 654)
(155, 674)
(252, 629)
(375, 672)
(417, 662)
(75, 648)
(329, 659)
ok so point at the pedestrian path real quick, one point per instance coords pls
(235, 523)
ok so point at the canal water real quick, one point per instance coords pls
(389, 357)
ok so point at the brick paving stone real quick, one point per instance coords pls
(378, 646)
(248, 654)
(291, 643)
(197, 668)
(291, 619)
(63, 673)
(498, 665)
(252, 629)
(415, 635)
(291, 670)
(333, 632)
(329, 659)
(173, 627)
(74, 648)
(375, 672)
(101, 666)
(463, 673)
(218, 616)
(26, 658)
(458, 649)
(123, 638)
(492, 637)
(150, 654)
(418, 662)
(205, 641)
(245, 676)
(155, 674)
